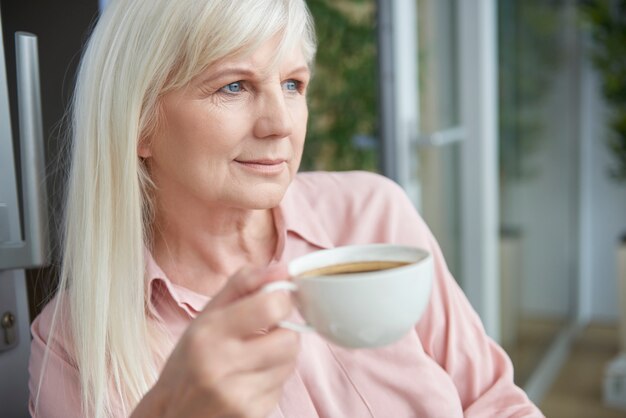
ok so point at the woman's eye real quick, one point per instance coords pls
(235, 87)
(292, 85)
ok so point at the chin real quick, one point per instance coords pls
(266, 196)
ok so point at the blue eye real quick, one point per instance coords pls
(232, 87)
(291, 85)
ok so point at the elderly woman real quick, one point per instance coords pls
(189, 120)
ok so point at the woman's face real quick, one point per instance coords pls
(233, 137)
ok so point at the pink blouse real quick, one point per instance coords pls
(446, 367)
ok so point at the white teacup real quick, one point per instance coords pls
(358, 308)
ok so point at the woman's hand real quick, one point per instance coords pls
(225, 365)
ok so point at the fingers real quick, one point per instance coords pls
(268, 380)
(247, 281)
(255, 387)
(247, 316)
(240, 310)
(276, 348)
(222, 361)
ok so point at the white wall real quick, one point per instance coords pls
(572, 214)
(605, 210)
(546, 199)
(547, 205)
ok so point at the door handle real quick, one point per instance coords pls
(9, 331)
(440, 138)
(33, 250)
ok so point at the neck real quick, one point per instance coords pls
(201, 250)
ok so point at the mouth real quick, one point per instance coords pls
(263, 166)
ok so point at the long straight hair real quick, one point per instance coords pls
(139, 50)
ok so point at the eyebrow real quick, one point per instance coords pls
(300, 69)
(231, 71)
(244, 73)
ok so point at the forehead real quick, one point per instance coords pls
(268, 58)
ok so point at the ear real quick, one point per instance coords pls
(146, 138)
(144, 148)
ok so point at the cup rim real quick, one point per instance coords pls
(422, 257)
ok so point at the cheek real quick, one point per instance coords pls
(300, 118)
(178, 155)
(192, 134)
(298, 139)
(302, 130)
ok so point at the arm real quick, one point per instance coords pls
(221, 366)
(452, 334)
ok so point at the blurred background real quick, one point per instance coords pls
(505, 122)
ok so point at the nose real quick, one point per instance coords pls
(274, 119)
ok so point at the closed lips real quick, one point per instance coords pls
(261, 162)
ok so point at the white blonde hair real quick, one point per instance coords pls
(138, 50)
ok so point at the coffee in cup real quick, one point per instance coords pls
(354, 267)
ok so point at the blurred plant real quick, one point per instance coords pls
(530, 51)
(607, 21)
(342, 95)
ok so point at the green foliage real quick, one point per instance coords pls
(342, 95)
(607, 20)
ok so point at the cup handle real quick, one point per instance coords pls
(290, 287)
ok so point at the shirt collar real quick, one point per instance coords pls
(159, 284)
(294, 214)
(300, 218)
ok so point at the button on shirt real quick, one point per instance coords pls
(445, 367)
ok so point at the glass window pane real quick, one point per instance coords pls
(539, 172)
(438, 167)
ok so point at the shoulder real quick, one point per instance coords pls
(342, 179)
(357, 206)
(43, 321)
(53, 375)
(52, 327)
(347, 186)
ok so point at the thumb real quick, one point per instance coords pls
(246, 281)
